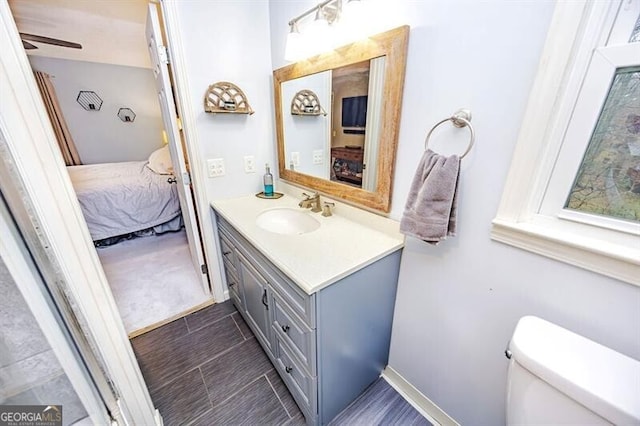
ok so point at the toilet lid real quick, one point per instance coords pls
(601, 379)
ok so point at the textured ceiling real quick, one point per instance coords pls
(110, 31)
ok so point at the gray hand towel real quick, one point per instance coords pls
(430, 212)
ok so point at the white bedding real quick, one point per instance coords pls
(120, 198)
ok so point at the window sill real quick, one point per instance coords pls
(575, 244)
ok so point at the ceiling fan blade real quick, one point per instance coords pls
(49, 40)
(28, 46)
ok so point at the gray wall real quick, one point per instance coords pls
(458, 302)
(100, 136)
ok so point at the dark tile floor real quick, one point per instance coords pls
(208, 369)
(380, 404)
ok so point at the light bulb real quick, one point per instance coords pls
(353, 22)
(318, 35)
(293, 48)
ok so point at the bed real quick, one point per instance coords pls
(121, 199)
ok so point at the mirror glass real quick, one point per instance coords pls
(335, 143)
(337, 118)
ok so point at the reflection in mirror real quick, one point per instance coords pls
(307, 137)
(348, 153)
(338, 146)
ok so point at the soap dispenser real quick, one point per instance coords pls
(268, 182)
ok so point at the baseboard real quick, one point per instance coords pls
(424, 405)
(158, 418)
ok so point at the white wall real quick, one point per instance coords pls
(229, 41)
(101, 136)
(458, 302)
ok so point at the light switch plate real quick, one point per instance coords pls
(295, 158)
(215, 166)
(249, 164)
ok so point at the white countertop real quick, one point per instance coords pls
(344, 243)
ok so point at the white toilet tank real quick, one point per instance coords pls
(558, 377)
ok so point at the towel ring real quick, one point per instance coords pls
(462, 118)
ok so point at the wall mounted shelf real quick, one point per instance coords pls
(89, 100)
(227, 98)
(127, 115)
(306, 102)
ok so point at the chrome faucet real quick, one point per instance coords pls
(311, 201)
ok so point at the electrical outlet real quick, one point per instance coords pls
(215, 166)
(317, 156)
(249, 164)
(295, 158)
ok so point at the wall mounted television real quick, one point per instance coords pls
(354, 114)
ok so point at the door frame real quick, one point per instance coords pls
(178, 65)
(18, 261)
(162, 79)
(49, 194)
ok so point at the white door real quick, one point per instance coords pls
(159, 59)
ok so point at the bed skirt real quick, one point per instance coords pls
(173, 225)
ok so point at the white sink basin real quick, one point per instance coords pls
(287, 221)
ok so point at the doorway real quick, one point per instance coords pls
(135, 265)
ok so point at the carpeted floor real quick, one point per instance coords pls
(152, 278)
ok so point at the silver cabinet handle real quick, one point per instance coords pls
(264, 299)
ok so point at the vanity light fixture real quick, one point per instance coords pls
(318, 35)
(293, 49)
(353, 21)
(336, 22)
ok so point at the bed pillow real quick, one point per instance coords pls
(160, 161)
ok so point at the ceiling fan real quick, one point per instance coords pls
(26, 38)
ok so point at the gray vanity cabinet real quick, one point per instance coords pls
(229, 258)
(327, 346)
(256, 301)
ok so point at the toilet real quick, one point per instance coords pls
(558, 377)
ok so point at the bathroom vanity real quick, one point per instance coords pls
(320, 302)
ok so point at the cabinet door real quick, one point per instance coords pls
(256, 301)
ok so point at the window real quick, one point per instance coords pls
(573, 190)
(608, 180)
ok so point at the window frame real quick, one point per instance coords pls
(595, 89)
(577, 30)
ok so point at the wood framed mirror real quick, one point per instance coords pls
(349, 153)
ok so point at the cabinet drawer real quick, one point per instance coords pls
(347, 154)
(298, 335)
(235, 290)
(228, 252)
(356, 156)
(301, 384)
(299, 301)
